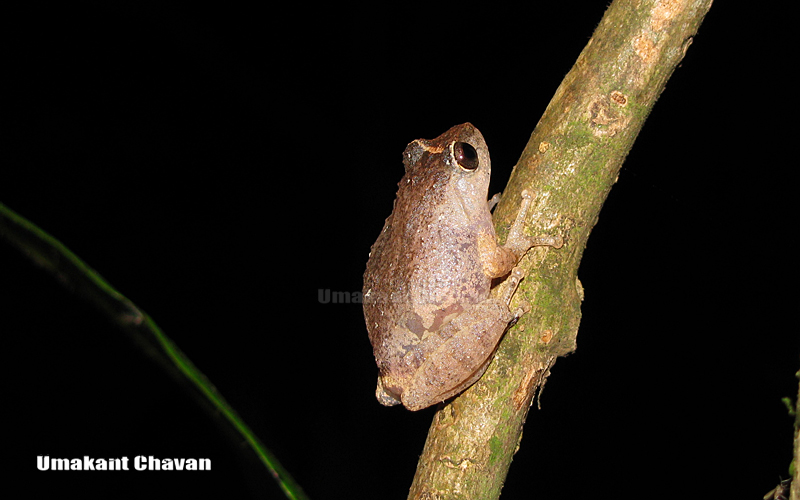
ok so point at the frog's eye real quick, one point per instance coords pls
(465, 155)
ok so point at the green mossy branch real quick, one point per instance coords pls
(571, 162)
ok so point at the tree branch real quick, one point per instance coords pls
(571, 162)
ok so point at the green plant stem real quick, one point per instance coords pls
(50, 254)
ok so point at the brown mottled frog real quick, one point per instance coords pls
(431, 320)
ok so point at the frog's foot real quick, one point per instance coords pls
(493, 201)
(511, 284)
(383, 396)
(517, 241)
(523, 308)
(547, 241)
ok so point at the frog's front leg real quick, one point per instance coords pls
(498, 260)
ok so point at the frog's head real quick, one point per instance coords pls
(456, 162)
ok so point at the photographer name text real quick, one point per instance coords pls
(140, 462)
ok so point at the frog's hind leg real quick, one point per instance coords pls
(471, 339)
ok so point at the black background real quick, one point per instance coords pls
(221, 165)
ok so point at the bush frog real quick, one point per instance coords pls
(431, 320)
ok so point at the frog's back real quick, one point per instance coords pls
(423, 261)
(426, 260)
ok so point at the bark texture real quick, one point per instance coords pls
(570, 162)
